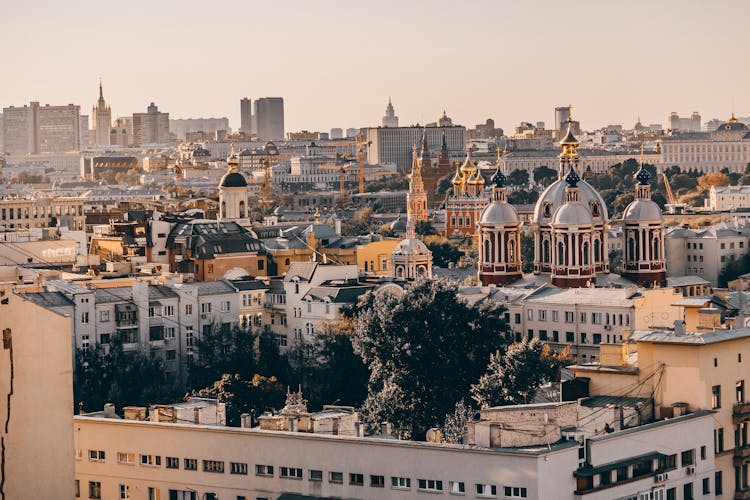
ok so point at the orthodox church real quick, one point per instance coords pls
(570, 226)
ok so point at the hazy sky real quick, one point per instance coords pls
(336, 62)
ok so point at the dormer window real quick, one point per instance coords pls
(547, 210)
(595, 209)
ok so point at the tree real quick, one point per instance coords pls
(515, 376)
(455, 424)
(424, 228)
(363, 222)
(618, 205)
(707, 181)
(444, 251)
(254, 395)
(518, 178)
(112, 375)
(527, 252)
(522, 197)
(734, 269)
(544, 175)
(225, 349)
(424, 348)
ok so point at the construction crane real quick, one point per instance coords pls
(362, 144)
(343, 169)
(672, 205)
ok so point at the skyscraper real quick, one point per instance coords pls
(390, 119)
(102, 120)
(151, 127)
(246, 116)
(269, 114)
(42, 129)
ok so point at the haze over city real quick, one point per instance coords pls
(336, 63)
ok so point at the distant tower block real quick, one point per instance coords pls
(390, 119)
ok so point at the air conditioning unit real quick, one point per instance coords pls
(660, 478)
(690, 470)
(204, 316)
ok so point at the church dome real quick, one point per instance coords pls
(232, 180)
(571, 214)
(642, 210)
(499, 213)
(411, 246)
(554, 197)
(468, 168)
(476, 179)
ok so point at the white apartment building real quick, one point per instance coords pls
(727, 198)
(123, 458)
(705, 252)
(42, 212)
(393, 145)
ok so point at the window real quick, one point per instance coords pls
(719, 440)
(290, 472)
(530, 314)
(213, 466)
(190, 464)
(205, 307)
(706, 486)
(188, 309)
(95, 489)
(356, 479)
(739, 391)
(687, 491)
(596, 318)
(542, 334)
(718, 486)
(457, 488)
(125, 458)
(377, 481)
(238, 468)
(172, 462)
(555, 336)
(124, 492)
(687, 457)
(168, 310)
(84, 318)
(153, 493)
(104, 316)
(517, 318)
(430, 485)
(400, 482)
(78, 488)
(570, 337)
(336, 477)
(105, 338)
(716, 397)
(263, 470)
(542, 315)
(316, 475)
(151, 460)
(703, 452)
(486, 490)
(555, 316)
(226, 306)
(568, 316)
(156, 333)
(582, 317)
(597, 338)
(515, 492)
(97, 455)
(583, 337)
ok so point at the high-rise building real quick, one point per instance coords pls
(122, 131)
(390, 119)
(562, 115)
(101, 116)
(269, 114)
(394, 145)
(151, 127)
(42, 129)
(86, 135)
(246, 116)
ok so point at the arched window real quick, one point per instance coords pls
(631, 249)
(595, 209)
(547, 211)
(487, 251)
(560, 253)
(242, 209)
(656, 249)
(597, 257)
(421, 270)
(511, 251)
(545, 251)
(585, 253)
(399, 272)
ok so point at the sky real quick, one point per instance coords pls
(336, 63)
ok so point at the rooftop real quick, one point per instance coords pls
(670, 337)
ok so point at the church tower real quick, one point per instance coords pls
(102, 120)
(499, 237)
(233, 193)
(643, 236)
(416, 199)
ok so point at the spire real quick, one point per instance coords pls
(233, 161)
(101, 92)
(443, 143)
(425, 151)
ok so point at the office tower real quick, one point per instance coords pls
(151, 127)
(42, 129)
(269, 113)
(562, 115)
(246, 116)
(102, 120)
(687, 124)
(390, 119)
(394, 145)
(337, 133)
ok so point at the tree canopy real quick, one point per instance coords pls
(424, 348)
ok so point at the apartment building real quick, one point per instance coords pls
(728, 198)
(151, 127)
(42, 212)
(297, 454)
(394, 144)
(687, 372)
(41, 129)
(37, 400)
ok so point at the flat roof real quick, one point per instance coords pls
(670, 337)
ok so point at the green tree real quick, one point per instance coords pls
(225, 349)
(424, 348)
(424, 228)
(254, 395)
(444, 251)
(518, 178)
(734, 269)
(363, 222)
(523, 197)
(544, 175)
(455, 424)
(514, 377)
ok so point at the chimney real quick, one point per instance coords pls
(246, 421)
(337, 226)
(679, 327)
(109, 410)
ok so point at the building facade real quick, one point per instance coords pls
(101, 116)
(394, 144)
(41, 129)
(269, 116)
(151, 127)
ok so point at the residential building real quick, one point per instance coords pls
(41, 129)
(101, 115)
(687, 372)
(37, 436)
(42, 212)
(151, 127)
(728, 146)
(728, 198)
(269, 115)
(706, 251)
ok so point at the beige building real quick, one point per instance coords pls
(42, 212)
(41, 129)
(37, 401)
(688, 372)
(151, 127)
(727, 198)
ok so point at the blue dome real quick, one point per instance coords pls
(498, 179)
(642, 176)
(572, 178)
(233, 179)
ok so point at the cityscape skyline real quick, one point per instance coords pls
(655, 43)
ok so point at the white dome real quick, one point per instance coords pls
(642, 210)
(499, 213)
(411, 246)
(572, 214)
(555, 196)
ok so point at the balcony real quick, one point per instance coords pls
(741, 411)
(741, 455)
(742, 494)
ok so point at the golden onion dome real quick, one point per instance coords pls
(477, 179)
(468, 168)
(458, 178)
(569, 139)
